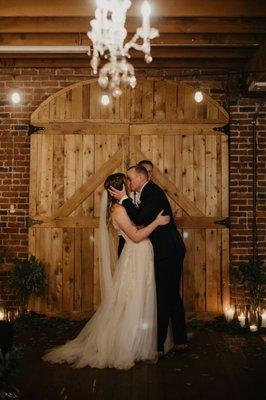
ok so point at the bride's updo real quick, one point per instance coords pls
(117, 181)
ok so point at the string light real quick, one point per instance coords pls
(15, 97)
(198, 96)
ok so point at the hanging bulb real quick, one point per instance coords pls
(133, 81)
(198, 96)
(117, 92)
(148, 58)
(15, 97)
(105, 100)
(103, 81)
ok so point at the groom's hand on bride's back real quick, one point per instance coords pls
(118, 194)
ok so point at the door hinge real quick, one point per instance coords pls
(226, 222)
(33, 129)
(224, 129)
(31, 222)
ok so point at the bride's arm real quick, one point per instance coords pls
(121, 218)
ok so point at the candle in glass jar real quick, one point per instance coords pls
(2, 313)
(263, 319)
(242, 319)
(229, 313)
(253, 328)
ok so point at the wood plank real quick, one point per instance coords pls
(200, 270)
(77, 102)
(93, 222)
(147, 99)
(170, 66)
(87, 263)
(69, 169)
(178, 173)
(56, 270)
(159, 101)
(199, 172)
(77, 279)
(200, 25)
(46, 167)
(212, 270)
(68, 269)
(84, 128)
(167, 8)
(58, 172)
(100, 158)
(44, 255)
(165, 39)
(184, 128)
(91, 184)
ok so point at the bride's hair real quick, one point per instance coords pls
(117, 181)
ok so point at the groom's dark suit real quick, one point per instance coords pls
(169, 252)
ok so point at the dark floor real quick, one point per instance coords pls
(220, 365)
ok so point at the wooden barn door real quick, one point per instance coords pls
(77, 143)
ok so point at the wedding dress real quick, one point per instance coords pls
(124, 328)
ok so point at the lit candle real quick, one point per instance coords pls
(229, 313)
(241, 319)
(263, 319)
(2, 313)
(146, 11)
(253, 328)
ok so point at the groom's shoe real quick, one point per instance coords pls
(181, 347)
(160, 354)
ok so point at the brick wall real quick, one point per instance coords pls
(36, 84)
(241, 184)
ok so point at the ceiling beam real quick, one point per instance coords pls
(165, 25)
(157, 52)
(161, 63)
(257, 63)
(165, 39)
(165, 8)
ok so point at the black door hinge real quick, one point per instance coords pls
(224, 129)
(226, 222)
(33, 129)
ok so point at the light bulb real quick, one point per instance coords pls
(198, 96)
(145, 9)
(133, 81)
(117, 92)
(103, 81)
(105, 100)
(15, 98)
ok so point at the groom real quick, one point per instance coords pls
(169, 252)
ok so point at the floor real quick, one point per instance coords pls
(220, 364)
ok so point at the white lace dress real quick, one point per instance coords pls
(124, 328)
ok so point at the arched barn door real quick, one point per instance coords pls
(77, 142)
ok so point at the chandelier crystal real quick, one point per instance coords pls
(108, 35)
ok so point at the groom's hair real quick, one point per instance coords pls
(143, 162)
(139, 169)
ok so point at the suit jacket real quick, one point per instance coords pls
(166, 240)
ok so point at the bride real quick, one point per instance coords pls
(124, 328)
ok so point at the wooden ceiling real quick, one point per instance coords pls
(204, 35)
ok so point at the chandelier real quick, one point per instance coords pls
(108, 35)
